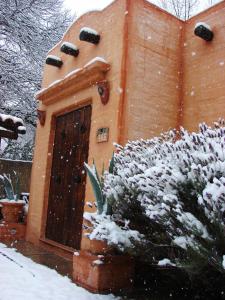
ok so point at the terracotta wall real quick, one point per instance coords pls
(153, 64)
(161, 76)
(109, 23)
(204, 70)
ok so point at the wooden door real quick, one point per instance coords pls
(67, 182)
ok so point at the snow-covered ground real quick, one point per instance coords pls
(22, 279)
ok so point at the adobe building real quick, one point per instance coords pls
(132, 71)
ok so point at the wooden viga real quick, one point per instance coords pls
(11, 127)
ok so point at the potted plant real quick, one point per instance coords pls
(103, 208)
(97, 266)
(12, 207)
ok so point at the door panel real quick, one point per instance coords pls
(67, 183)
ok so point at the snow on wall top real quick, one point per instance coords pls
(93, 7)
(96, 59)
(69, 28)
(73, 72)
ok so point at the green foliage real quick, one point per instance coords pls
(97, 183)
(96, 186)
(17, 188)
(111, 164)
(172, 191)
(11, 193)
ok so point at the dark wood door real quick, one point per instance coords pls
(67, 183)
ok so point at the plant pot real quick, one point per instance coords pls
(103, 273)
(98, 268)
(94, 246)
(11, 211)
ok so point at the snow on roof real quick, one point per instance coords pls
(93, 7)
(72, 72)
(40, 91)
(96, 59)
(54, 82)
(89, 30)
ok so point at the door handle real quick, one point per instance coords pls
(83, 128)
(58, 179)
(77, 179)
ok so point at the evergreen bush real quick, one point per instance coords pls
(172, 191)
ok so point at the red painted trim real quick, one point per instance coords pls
(180, 111)
(123, 80)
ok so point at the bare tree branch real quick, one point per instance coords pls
(182, 9)
(28, 29)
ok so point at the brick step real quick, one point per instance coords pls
(12, 231)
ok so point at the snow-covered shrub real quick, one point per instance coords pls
(105, 228)
(103, 225)
(173, 192)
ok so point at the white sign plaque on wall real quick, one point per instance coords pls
(102, 135)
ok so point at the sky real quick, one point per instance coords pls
(81, 6)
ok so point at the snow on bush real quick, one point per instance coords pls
(165, 262)
(179, 185)
(105, 228)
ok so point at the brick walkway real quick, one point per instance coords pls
(41, 256)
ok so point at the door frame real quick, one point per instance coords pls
(78, 105)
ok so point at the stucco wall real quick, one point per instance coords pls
(161, 76)
(153, 65)
(109, 23)
(204, 70)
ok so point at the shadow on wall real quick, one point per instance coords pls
(23, 171)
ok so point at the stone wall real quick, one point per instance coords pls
(22, 169)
